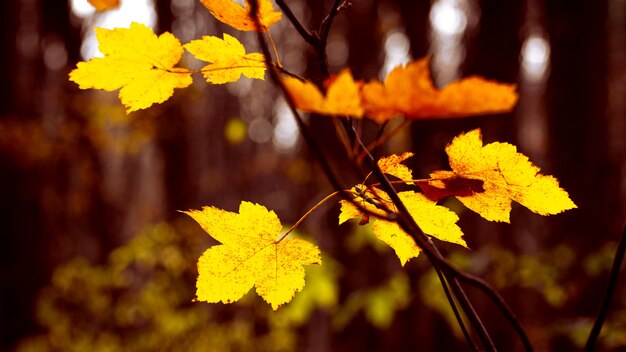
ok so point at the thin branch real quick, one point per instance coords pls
(377, 142)
(455, 309)
(324, 30)
(304, 33)
(608, 295)
(382, 139)
(285, 71)
(327, 22)
(312, 143)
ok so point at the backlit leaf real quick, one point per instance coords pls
(433, 219)
(239, 17)
(343, 97)
(138, 62)
(409, 91)
(228, 59)
(249, 255)
(505, 174)
(391, 166)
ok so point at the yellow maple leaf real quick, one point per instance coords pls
(103, 5)
(391, 166)
(138, 62)
(505, 174)
(343, 95)
(435, 220)
(410, 91)
(228, 59)
(239, 17)
(250, 255)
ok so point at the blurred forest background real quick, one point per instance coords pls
(95, 256)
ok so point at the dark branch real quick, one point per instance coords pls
(306, 134)
(324, 30)
(455, 309)
(304, 33)
(608, 295)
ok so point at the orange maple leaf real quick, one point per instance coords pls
(103, 5)
(410, 91)
(391, 166)
(487, 178)
(342, 98)
(239, 17)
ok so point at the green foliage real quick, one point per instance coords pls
(141, 300)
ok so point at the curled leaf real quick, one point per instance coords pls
(409, 91)
(240, 17)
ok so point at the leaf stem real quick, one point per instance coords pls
(382, 139)
(271, 39)
(307, 214)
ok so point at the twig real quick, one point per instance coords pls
(304, 33)
(306, 134)
(382, 138)
(324, 30)
(455, 309)
(608, 295)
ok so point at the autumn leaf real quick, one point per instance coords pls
(250, 255)
(228, 59)
(103, 5)
(342, 98)
(506, 175)
(433, 219)
(138, 63)
(240, 17)
(391, 166)
(409, 91)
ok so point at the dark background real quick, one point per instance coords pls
(79, 178)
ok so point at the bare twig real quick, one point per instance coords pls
(306, 134)
(455, 309)
(304, 33)
(324, 30)
(608, 295)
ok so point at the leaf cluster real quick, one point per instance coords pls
(254, 251)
